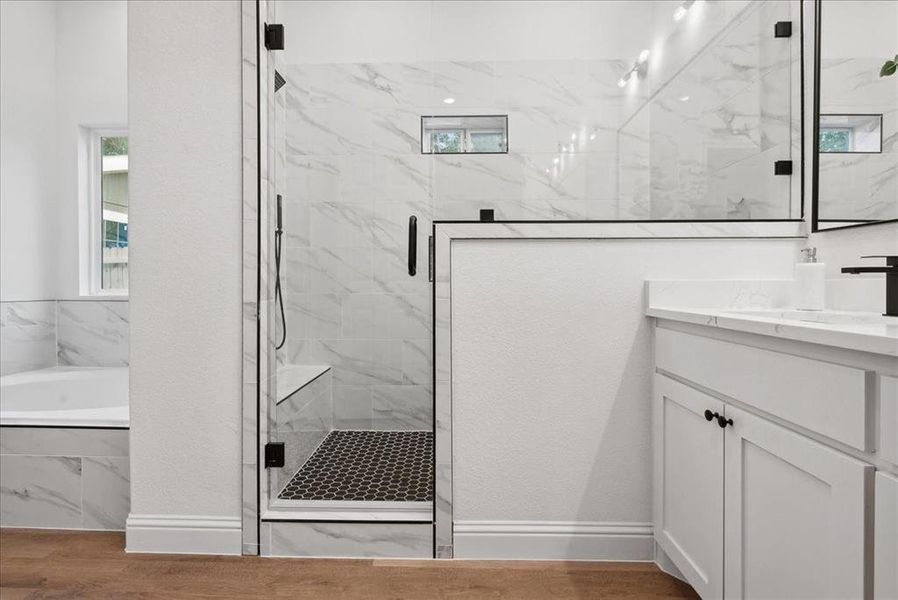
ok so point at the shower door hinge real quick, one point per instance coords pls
(274, 36)
(782, 167)
(430, 258)
(782, 29)
(274, 454)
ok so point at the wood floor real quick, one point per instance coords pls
(61, 564)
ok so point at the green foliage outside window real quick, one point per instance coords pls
(114, 146)
(835, 140)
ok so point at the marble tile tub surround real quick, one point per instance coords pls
(49, 333)
(64, 478)
(27, 336)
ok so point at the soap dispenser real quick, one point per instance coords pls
(808, 284)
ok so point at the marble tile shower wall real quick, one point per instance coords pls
(704, 146)
(82, 333)
(355, 173)
(860, 186)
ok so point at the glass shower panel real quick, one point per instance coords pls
(597, 129)
(703, 146)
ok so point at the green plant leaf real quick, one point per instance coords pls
(889, 68)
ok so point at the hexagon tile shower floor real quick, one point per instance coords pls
(392, 466)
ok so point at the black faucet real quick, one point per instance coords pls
(891, 271)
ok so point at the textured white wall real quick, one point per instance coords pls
(184, 90)
(552, 364)
(92, 91)
(27, 151)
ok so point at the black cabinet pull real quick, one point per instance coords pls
(412, 245)
(709, 416)
(723, 421)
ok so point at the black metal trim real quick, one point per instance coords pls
(782, 29)
(817, 145)
(782, 167)
(274, 455)
(863, 224)
(258, 280)
(356, 521)
(274, 36)
(421, 140)
(19, 426)
(623, 221)
(815, 154)
(433, 379)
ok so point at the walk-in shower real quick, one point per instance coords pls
(393, 116)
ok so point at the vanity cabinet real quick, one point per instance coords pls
(794, 525)
(688, 503)
(764, 483)
(885, 538)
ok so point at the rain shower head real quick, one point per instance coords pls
(279, 81)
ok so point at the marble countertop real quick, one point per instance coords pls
(867, 337)
(762, 307)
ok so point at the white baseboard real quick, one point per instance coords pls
(553, 540)
(183, 534)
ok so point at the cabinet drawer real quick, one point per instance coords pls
(823, 397)
(888, 418)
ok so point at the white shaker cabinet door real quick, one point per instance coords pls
(688, 502)
(885, 543)
(794, 524)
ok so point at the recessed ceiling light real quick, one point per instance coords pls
(449, 100)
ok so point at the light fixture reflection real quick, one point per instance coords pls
(449, 100)
(643, 56)
(682, 9)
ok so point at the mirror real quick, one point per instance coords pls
(856, 109)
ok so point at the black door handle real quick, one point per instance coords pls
(412, 245)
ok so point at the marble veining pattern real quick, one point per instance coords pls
(43, 334)
(93, 334)
(27, 336)
(393, 540)
(64, 478)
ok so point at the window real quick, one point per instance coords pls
(850, 134)
(464, 135)
(105, 213)
(835, 140)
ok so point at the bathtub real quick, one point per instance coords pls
(67, 397)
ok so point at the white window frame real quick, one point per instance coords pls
(91, 211)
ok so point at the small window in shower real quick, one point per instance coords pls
(470, 134)
(850, 134)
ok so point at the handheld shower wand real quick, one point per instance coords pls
(278, 295)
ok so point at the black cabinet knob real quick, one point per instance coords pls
(709, 416)
(723, 421)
